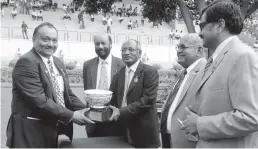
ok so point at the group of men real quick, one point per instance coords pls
(212, 104)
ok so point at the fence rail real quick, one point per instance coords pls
(84, 36)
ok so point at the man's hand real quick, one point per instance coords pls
(115, 114)
(190, 124)
(79, 118)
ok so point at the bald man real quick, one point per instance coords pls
(191, 56)
(134, 99)
(97, 74)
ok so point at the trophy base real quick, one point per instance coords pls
(99, 115)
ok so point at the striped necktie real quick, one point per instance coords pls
(59, 94)
(208, 64)
(103, 81)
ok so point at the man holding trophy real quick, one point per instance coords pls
(43, 104)
(133, 101)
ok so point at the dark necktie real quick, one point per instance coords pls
(59, 94)
(163, 121)
(208, 64)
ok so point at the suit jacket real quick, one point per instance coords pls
(140, 115)
(90, 70)
(178, 137)
(229, 91)
(33, 96)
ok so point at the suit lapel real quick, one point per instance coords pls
(136, 76)
(121, 86)
(46, 72)
(114, 67)
(186, 87)
(94, 72)
(61, 71)
(189, 81)
(215, 63)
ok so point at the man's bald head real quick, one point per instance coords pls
(103, 35)
(103, 45)
(192, 39)
(189, 49)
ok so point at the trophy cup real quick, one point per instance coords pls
(97, 100)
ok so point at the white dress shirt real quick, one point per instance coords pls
(133, 69)
(221, 47)
(174, 104)
(58, 75)
(108, 67)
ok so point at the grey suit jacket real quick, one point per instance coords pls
(229, 107)
(178, 137)
(90, 69)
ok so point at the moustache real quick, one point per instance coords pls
(50, 47)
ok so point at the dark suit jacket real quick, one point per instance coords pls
(140, 115)
(33, 96)
(90, 70)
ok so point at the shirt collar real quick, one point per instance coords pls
(191, 67)
(108, 60)
(222, 46)
(44, 59)
(133, 67)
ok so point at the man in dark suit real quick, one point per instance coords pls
(97, 74)
(133, 102)
(191, 56)
(43, 105)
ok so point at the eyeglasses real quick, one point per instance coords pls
(182, 47)
(203, 24)
(123, 50)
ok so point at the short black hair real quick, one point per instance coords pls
(226, 10)
(42, 25)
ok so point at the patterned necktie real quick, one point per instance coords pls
(127, 84)
(59, 95)
(103, 81)
(172, 95)
(209, 62)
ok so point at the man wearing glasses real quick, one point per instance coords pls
(134, 99)
(228, 115)
(191, 56)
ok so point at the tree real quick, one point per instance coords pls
(158, 10)
(91, 6)
(105, 5)
(189, 10)
(195, 6)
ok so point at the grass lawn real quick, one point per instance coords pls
(6, 99)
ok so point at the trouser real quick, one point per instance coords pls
(108, 29)
(29, 133)
(166, 140)
(24, 34)
(27, 11)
